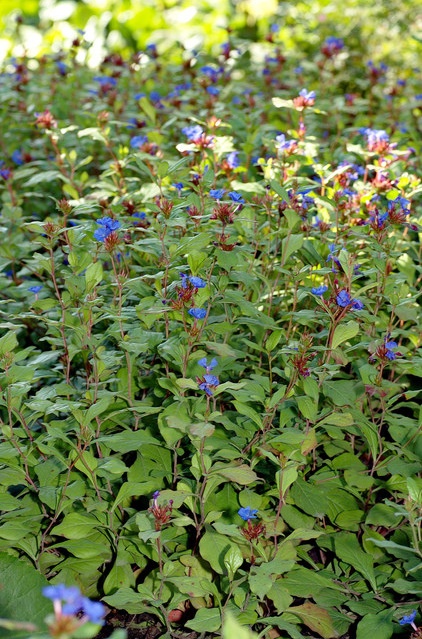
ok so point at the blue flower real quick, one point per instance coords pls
(343, 299)
(217, 194)
(94, 610)
(193, 132)
(236, 197)
(283, 144)
(213, 90)
(308, 95)
(410, 618)
(208, 367)
(138, 141)
(17, 157)
(319, 290)
(389, 345)
(357, 305)
(232, 160)
(247, 513)
(209, 383)
(197, 313)
(61, 592)
(62, 68)
(107, 226)
(72, 602)
(35, 289)
(197, 282)
(5, 173)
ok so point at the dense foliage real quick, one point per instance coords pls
(210, 340)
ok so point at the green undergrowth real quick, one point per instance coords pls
(210, 337)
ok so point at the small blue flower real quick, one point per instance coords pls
(197, 313)
(319, 290)
(389, 345)
(35, 289)
(138, 141)
(5, 173)
(208, 367)
(213, 90)
(193, 132)
(343, 299)
(17, 157)
(247, 513)
(236, 197)
(232, 160)
(107, 226)
(308, 95)
(210, 382)
(217, 194)
(409, 619)
(61, 592)
(197, 282)
(94, 610)
(357, 305)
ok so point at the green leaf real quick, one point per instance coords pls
(290, 245)
(233, 630)
(213, 547)
(341, 393)
(76, 526)
(8, 342)
(345, 332)
(244, 409)
(93, 276)
(316, 618)
(206, 620)
(307, 407)
(376, 626)
(21, 597)
(242, 474)
(348, 549)
(233, 559)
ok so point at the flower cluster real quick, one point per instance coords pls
(71, 609)
(107, 227)
(208, 382)
(344, 300)
(161, 513)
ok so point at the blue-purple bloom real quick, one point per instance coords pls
(236, 197)
(344, 300)
(247, 513)
(5, 173)
(138, 141)
(193, 132)
(389, 345)
(209, 383)
(71, 602)
(319, 290)
(285, 145)
(35, 289)
(197, 282)
(197, 313)
(107, 226)
(307, 95)
(17, 157)
(409, 619)
(217, 194)
(232, 159)
(208, 367)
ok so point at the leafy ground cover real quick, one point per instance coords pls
(210, 339)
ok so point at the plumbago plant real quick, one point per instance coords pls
(210, 341)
